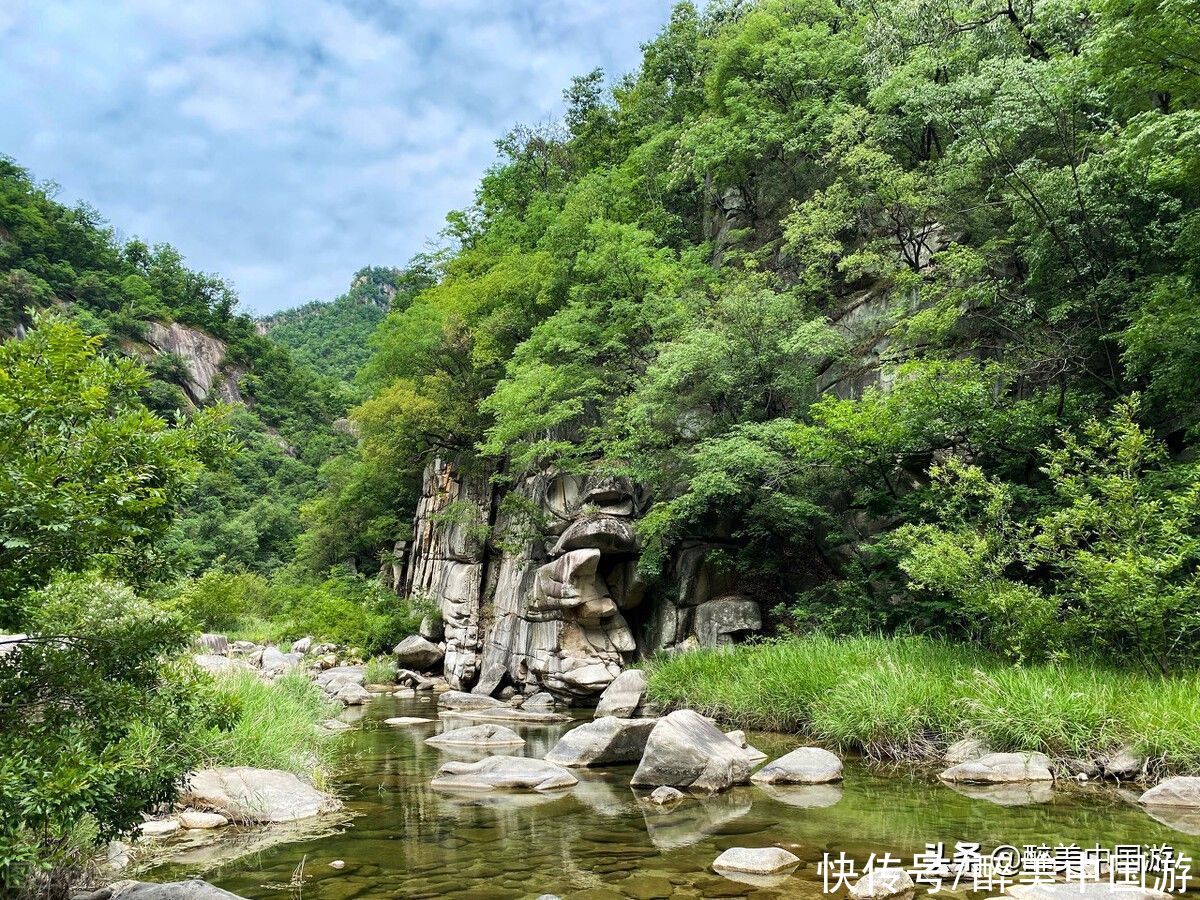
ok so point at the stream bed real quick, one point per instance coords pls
(598, 842)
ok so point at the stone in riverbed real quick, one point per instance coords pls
(511, 773)
(352, 694)
(1121, 764)
(245, 794)
(1182, 790)
(507, 714)
(685, 750)
(540, 700)
(608, 741)
(753, 755)
(302, 646)
(406, 720)
(880, 884)
(961, 751)
(664, 796)
(1000, 768)
(192, 889)
(158, 828)
(805, 765)
(1088, 890)
(463, 700)
(414, 652)
(477, 736)
(755, 861)
(624, 696)
(202, 820)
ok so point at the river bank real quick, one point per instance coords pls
(912, 698)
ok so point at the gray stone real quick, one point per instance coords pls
(355, 674)
(216, 644)
(721, 621)
(1088, 890)
(879, 884)
(201, 820)
(351, 694)
(540, 700)
(406, 720)
(464, 701)
(432, 628)
(158, 828)
(753, 755)
(192, 889)
(487, 735)
(417, 653)
(961, 751)
(511, 773)
(1121, 764)
(219, 665)
(203, 358)
(999, 768)
(303, 645)
(607, 741)
(685, 750)
(507, 714)
(624, 697)
(756, 860)
(805, 765)
(662, 796)
(1182, 790)
(245, 794)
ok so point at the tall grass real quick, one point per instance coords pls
(909, 697)
(276, 726)
(380, 670)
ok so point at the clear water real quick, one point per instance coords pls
(597, 842)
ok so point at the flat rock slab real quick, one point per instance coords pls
(463, 700)
(755, 861)
(624, 696)
(487, 735)
(685, 750)
(1000, 768)
(879, 884)
(507, 714)
(244, 794)
(503, 773)
(1183, 790)
(608, 741)
(158, 828)
(805, 765)
(192, 889)
(202, 820)
(1088, 890)
(407, 720)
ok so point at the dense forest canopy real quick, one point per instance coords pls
(899, 298)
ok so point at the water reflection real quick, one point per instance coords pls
(598, 840)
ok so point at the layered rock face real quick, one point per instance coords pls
(538, 584)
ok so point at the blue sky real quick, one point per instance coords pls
(286, 144)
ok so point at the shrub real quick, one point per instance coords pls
(380, 670)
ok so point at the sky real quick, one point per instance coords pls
(284, 145)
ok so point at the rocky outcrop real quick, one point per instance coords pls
(192, 889)
(538, 588)
(203, 359)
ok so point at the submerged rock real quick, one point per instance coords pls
(477, 736)
(1088, 890)
(407, 720)
(1182, 790)
(507, 714)
(624, 697)
(192, 889)
(998, 768)
(607, 741)
(663, 796)
(463, 700)
(804, 765)
(879, 884)
(686, 750)
(245, 794)
(756, 860)
(503, 773)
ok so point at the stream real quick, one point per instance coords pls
(598, 842)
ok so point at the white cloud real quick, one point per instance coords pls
(285, 144)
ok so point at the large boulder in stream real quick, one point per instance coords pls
(1183, 791)
(465, 701)
(624, 697)
(503, 773)
(486, 735)
(685, 750)
(414, 652)
(244, 794)
(608, 741)
(1001, 768)
(805, 765)
(192, 889)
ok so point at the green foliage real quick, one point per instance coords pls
(86, 471)
(380, 670)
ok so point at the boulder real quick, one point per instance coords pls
(219, 665)
(487, 735)
(1121, 764)
(686, 750)
(624, 697)
(244, 794)
(805, 765)
(243, 648)
(503, 773)
(879, 884)
(1087, 890)
(961, 751)
(720, 621)
(351, 694)
(1182, 790)
(607, 741)
(507, 714)
(216, 644)
(158, 828)
(192, 889)
(540, 700)
(303, 645)
(357, 674)
(755, 861)
(432, 628)
(753, 755)
(273, 659)
(662, 796)
(1001, 768)
(462, 700)
(417, 653)
(202, 820)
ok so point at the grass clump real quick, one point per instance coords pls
(275, 725)
(380, 670)
(908, 697)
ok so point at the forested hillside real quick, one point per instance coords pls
(895, 301)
